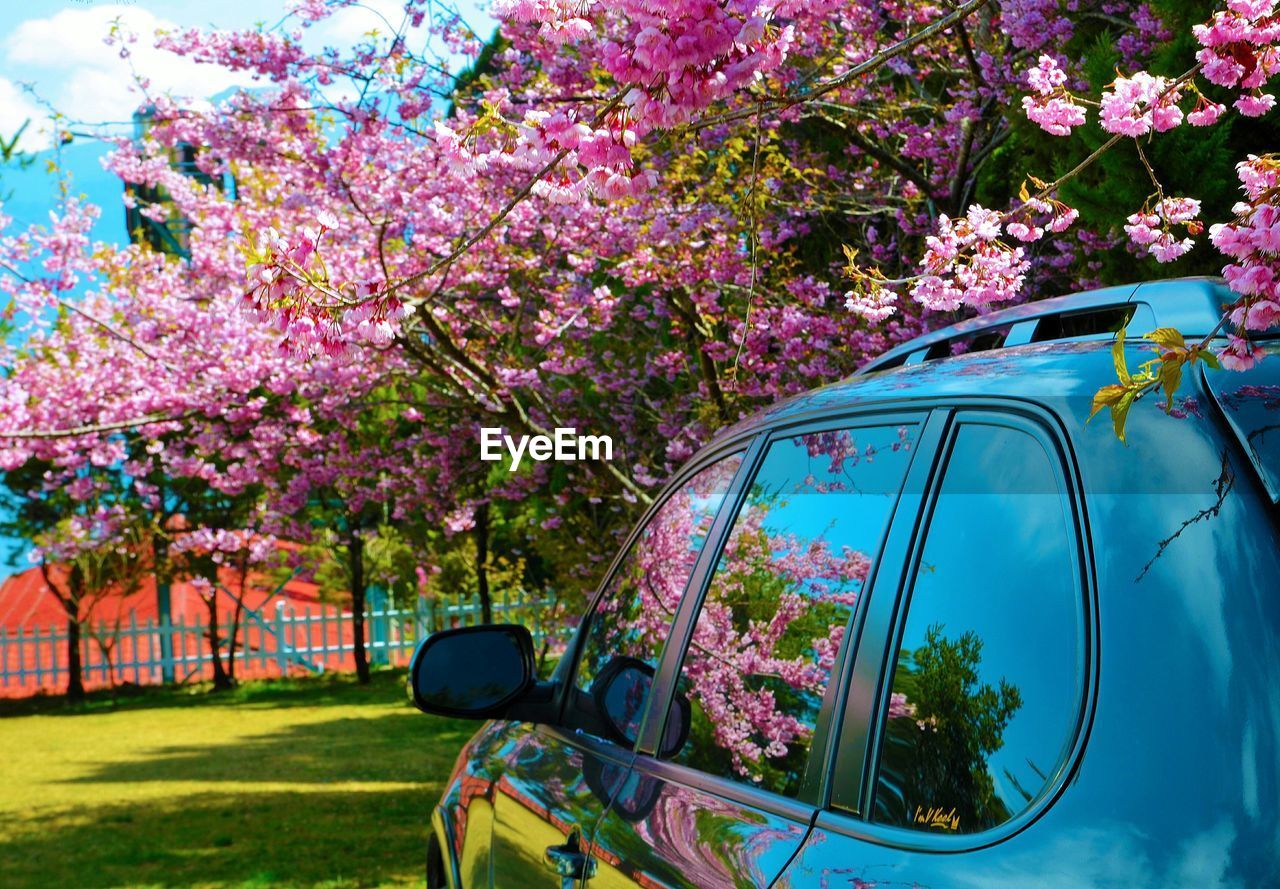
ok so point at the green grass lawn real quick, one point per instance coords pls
(315, 782)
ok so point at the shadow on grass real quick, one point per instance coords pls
(164, 817)
(268, 839)
(402, 746)
(385, 686)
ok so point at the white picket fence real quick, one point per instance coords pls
(280, 640)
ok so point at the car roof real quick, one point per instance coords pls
(1033, 372)
(1035, 351)
(1191, 305)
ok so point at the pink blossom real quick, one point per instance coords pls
(966, 263)
(1024, 232)
(899, 706)
(1150, 230)
(1046, 77)
(1057, 115)
(1206, 113)
(1255, 104)
(1240, 354)
(1133, 106)
(875, 304)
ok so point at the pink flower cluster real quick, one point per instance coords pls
(1239, 50)
(900, 707)
(1037, 216)
(1150, 228)
(670, 60)
(1134, 106)
(966, 263)
(288, 285)
(218, 543)
(873, 303)
(1053, 108)
(79, 534)
(1240, 353)
(1252, 241)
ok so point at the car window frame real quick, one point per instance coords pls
(851, 769)
(813, 784)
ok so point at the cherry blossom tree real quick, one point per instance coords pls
(642, 218)
(89, 542)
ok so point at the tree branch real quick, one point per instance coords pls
(865, 67)
(96, 428)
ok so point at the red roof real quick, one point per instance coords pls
(27, 607)
(26, 601)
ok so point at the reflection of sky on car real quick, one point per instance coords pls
(704, 509)
(855, 517)
(980, 545)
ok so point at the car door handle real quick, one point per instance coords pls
(569, 862)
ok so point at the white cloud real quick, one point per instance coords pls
(350, 25)
(17, 108)
(71, 66)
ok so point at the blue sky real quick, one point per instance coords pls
(52, 55)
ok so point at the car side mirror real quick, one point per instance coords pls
(630, 795)
(473, 672)
(620, 694)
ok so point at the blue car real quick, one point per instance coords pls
(928, 626)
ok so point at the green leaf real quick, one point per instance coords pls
(1117, 355)
(1170, 378)
(1167, 337)
(1209, 358)
(1120, 412)
(1107, 396)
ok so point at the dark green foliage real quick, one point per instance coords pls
(939, 757)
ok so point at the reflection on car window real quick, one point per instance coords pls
(1251, 403)
(632, 618)
(986, 689)
(781, 596)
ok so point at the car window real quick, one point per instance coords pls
(631, 619)
(780, 598)
(986, 689)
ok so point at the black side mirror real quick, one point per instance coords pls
(473, 672)
(620, 694)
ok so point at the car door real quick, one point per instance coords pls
(726, 796)
(554, 783)
(969, 689)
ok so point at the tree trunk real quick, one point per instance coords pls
(482, 562)
(75, 679)
(71, 605)
(164, 604)
(232, 643)
(221, 681)
(236, 615)
(355, 560)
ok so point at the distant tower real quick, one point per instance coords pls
(173, 233)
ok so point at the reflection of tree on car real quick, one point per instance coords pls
(762, 653)
(633, 616)
(943, 727)
(775, 612)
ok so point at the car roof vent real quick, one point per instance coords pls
(978, 341)
(1193, 305)
(1087, 324)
